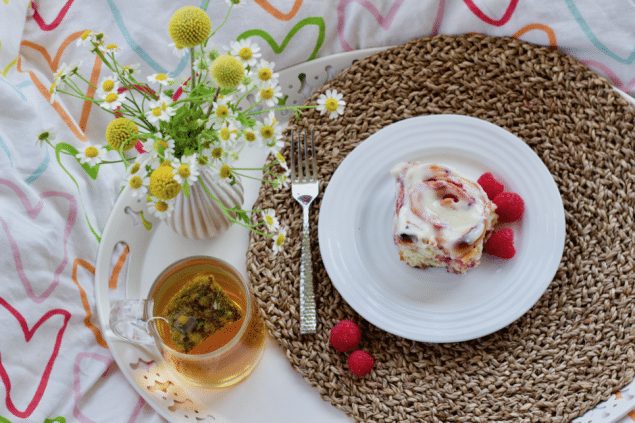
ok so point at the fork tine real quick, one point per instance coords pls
(299, 171)
(291, 155)
(307, 169)
(313, 155)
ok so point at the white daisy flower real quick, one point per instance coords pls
(222, 172)
(218, 155)
(248, 136)
(91, 155)
(332, 103)
(86, 38)
(263, 72)
(161, 79)
(138, 185)
(131, 69)
(109, 48)
(281, 160)
(282, 181)
(160, 109)
(279, 240)
(107, 85)
(178, 52)
(269, 133)
(221, 110)
(156, 151)
(269, 93)
(46, 135)
(112, 100)
(246, 51)
(161, 208)
(270, 219)
(186, 169)
(227, 133)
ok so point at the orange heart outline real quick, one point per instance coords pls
(277, 13)
(78, 130)
(551, 35)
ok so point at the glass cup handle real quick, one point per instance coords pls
(128, 320)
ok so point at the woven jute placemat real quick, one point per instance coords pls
(577, 344)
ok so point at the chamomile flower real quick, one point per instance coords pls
(223, 172)
(282, 180)
(161, 208)
(91, 155)
(111, 100)
(157, 150)
(249, 136)
(246, 51)
(177, 51)
(86, 38)
(112, 48)
(278, 240)
(161, 79)
(270, 219)
(221, 111)
(269, 93)
(131, 69)
(269, 133)
(47, 135)
(107, 85)
(160, 109)
(218, 155)
(186, 169)
(263, 72)
(332, 103)
(227, 133)
(138, 185)
(281, 160)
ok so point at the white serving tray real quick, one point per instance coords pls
(274, 392)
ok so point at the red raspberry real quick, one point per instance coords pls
(501, 244)
(490, 185)
(345, 336)
(509, 206)
(360, 363)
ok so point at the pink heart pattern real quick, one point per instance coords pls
(46, 373)
(33, 210)
(107, 364)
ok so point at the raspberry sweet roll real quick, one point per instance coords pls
(441, 218)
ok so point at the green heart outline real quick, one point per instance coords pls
(279, 48)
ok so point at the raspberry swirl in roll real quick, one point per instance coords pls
(441, 218)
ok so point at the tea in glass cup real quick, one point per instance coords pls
(202, 317)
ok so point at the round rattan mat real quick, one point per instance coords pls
(577, 344)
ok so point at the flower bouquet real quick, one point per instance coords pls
(180, 140)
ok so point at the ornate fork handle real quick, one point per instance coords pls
(308, 321)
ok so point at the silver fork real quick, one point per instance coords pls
(305, 188)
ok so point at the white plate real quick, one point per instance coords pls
(432, 305)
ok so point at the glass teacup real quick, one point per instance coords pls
(221, 359)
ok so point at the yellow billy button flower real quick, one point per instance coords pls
(120, 134)
(227, 71)
(162, 183)
(189, 26)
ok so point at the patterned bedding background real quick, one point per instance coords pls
(54, 364)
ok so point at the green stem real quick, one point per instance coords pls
(192, 67)
(229, 9)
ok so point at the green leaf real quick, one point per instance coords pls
(91, 171)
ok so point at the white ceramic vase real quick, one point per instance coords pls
(197, 216)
